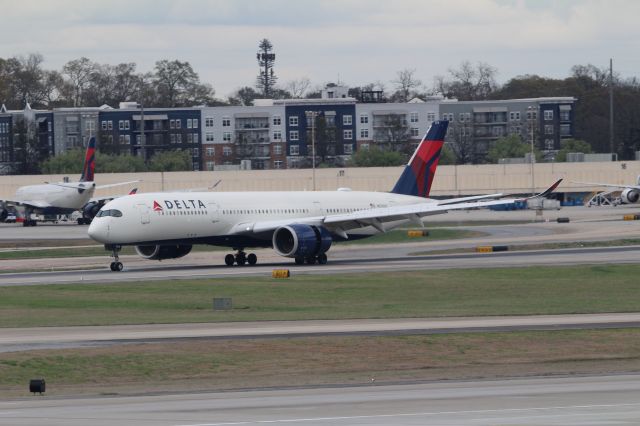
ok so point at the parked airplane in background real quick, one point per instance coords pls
(301, 225)
(62, 197)
(630, 194)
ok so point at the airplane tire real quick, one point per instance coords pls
(252, 259)
(299, 260)
(119, 266)
(241, 260)
(322, 259)
(229, 260)
(311, 260)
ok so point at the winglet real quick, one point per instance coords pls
(133, 191)
(548, 191)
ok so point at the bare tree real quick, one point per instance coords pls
(79, 72)
(468, 82)
(298, 87)
(406, 84)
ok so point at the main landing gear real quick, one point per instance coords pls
(116, 265)
(241, 258)
(321, 259)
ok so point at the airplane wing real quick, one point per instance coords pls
(37, 204)
(111, 185)
(608, 185)
(341, 223)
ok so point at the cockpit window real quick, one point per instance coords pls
(112, 212)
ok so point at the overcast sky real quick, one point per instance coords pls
(355, 41)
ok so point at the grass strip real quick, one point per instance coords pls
(431, 293)
(250, 363)
(543, 246)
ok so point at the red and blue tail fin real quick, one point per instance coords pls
(89, 161)
(417, 177)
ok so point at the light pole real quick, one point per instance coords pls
(312, 115)
(532, 117)
(142, 141)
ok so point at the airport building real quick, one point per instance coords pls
(281, 134)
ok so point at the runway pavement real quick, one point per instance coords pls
(361, 259)
(566, 401)
(20, 339)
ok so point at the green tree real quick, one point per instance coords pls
(375, 157)
(571, 145)
(71, 162)
(447, 156)
(170, 161)
(510, 147)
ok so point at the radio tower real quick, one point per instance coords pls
(266, 58)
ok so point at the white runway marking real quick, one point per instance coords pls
(427, 413)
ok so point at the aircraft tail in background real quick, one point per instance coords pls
(417, 177)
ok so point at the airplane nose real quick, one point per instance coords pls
(99, 230)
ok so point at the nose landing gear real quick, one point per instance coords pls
(116, 265)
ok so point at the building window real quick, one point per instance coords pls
(565, 115)
(208, 122)
(226, 136)
(497, 131)
(209, 165)
(415, 132)
(347, 120)
(347, 134)
(277, 135)
(277, 149)
(178, 124)
(178, 138)
(293, 120)
(364, 146)
(277, 164)
(104, 125)
(548, 144)
(172, 124)
(294, 150)
(189, 138)
(565, 130)
(293, 135)
(431, 117)
(120, 124)
(172, 138)
(226, 122)
(211, 151)
(277, 120)
(109, 125)
(548, 129)
(195, 123)
(364, 119)
(348, 149)
(413, 117)
(364, 133)
(208, 136)
(226, 151)
(195, 138)
(548, 114)
(189, 123)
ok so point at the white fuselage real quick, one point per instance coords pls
(61, 196)
(198, 215)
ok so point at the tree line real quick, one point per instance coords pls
(174, 83)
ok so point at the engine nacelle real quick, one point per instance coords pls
(630, 196)
(90, 210)
(301, 240)
(163, 252)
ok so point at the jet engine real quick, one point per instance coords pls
(163, 252)
(90, 210)
(630, 196)
(301, 241)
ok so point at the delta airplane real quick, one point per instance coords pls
(299, 225)
(62, 197)
(630, 194)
